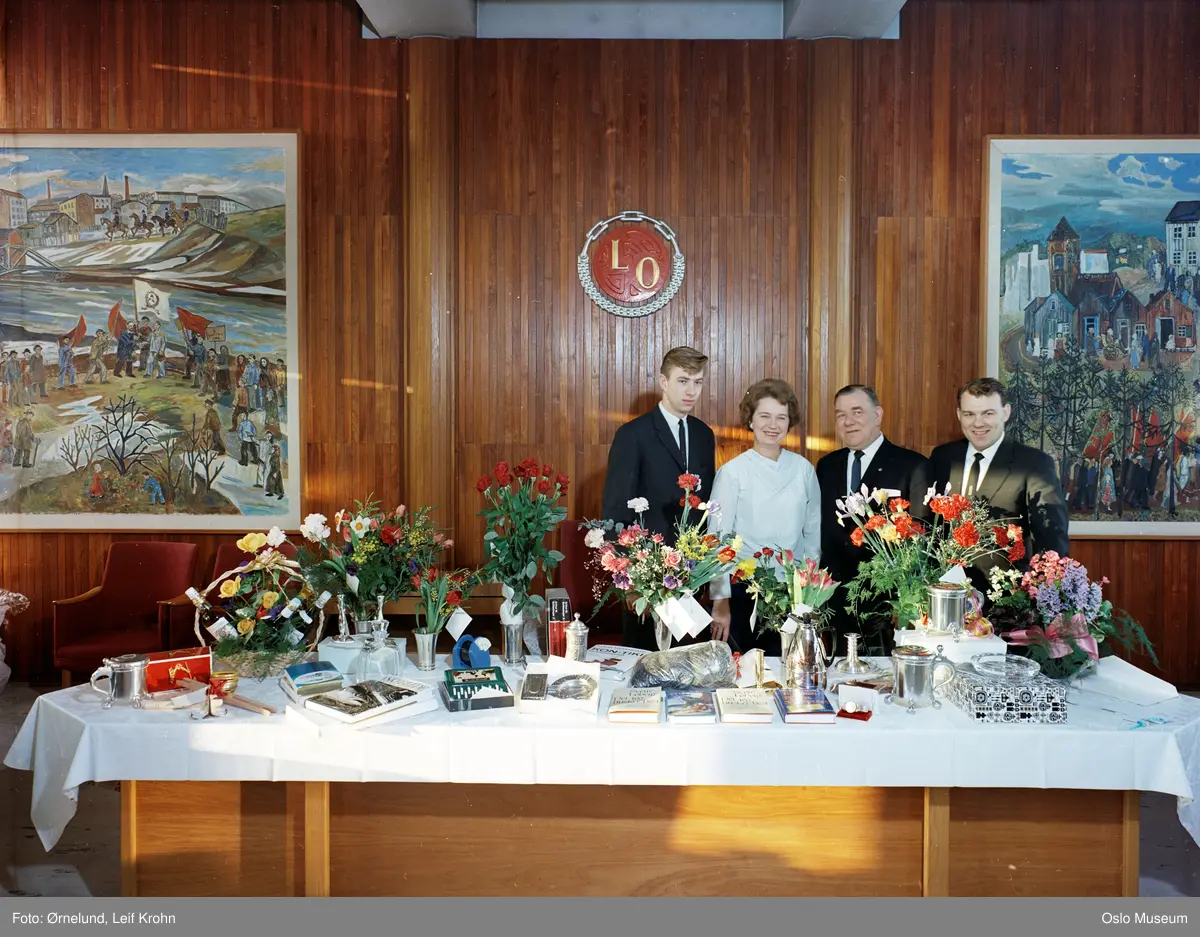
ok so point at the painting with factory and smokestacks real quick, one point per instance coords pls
(1093, 292)
(148, 328)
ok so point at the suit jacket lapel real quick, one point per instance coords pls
(997, 472)
(667, 438)
(877, 467)
(956, 468)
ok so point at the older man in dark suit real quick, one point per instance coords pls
(1018, 481)
(867, 458)
(650, 452)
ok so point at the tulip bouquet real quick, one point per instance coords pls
(907, 556)
(780, 586)
(659, 575)
(261, 611)
(441, 594)
(370, 555)
(1056, 615)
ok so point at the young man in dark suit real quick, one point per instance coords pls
(867, 458)
(648, 455)
(1019, 482)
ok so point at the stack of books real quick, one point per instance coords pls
(310, 678)
(371, 702)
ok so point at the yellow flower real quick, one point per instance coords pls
(269, 599)
(889, 533)
(690, 546)
(736, 544)
(252, 543)
(747, 567)
(230, 587)
(245, 626)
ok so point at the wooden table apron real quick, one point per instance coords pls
(320, 838)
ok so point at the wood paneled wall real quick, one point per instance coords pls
(199, 65)
(827, 196)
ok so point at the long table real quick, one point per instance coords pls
(501, 803)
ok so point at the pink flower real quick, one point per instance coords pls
(657, 538)
(400, 509)
(447, 544)
(630, 535)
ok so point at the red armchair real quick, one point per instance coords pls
(177, 615)
(120, 615)
(583, 584)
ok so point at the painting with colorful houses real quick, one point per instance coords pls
(1092, 250)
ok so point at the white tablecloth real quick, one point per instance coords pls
(68, 738)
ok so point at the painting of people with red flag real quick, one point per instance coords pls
(139, 270)
(1092, 293)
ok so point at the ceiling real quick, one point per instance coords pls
(629, 19)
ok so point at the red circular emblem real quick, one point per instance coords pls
(631, 264)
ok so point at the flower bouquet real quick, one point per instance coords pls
(369, 556)
(659, 576)
(1058, 617)
(908, 556)
(441, 595)
(263, 609)
(522, 507)
(780, 587)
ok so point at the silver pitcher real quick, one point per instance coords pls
(126, 676)
(947, 607)
(805, 658)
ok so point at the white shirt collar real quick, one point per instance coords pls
(988, 453)
(672, 420)
(868, 452)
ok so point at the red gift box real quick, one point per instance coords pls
(165, 668)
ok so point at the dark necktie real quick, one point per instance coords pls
(856, 471)
(973, 475)
(682, 444)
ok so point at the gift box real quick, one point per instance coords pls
(165, 668)
(993, 699)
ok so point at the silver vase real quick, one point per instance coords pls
(343, 636)
(426, 649)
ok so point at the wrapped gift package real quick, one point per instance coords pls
(992, 699)
(165, 668)
(957, 648)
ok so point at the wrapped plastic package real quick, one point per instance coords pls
(697, 665)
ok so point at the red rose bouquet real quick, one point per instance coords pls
(522, 507)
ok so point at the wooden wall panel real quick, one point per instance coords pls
(555, 136)
(925, 104)
(201, 65)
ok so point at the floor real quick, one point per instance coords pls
(86, 860)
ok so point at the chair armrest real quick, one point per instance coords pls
(75, 599)
(73, 616)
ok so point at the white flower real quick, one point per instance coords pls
(276, 537)
(360, 525)
(314, 528)
(931, 494)
(879, 496)
(638, 505)
(352, 584)
(594, 537)
(856, 504)
(713, 508)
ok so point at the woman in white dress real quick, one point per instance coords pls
(769, 496)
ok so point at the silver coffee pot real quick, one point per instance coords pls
(126, 675)
(805, 658)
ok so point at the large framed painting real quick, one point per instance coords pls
(148, 327)
(1092, 280)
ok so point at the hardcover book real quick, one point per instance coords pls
(636, 704)
(805, 706)
(310, 678)
(370, 699)
(691, 706)
(746, 705)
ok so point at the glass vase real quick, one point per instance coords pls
(662, 634)
(426, 649)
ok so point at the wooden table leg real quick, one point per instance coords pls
(1130, 845)
(129, 844)
(316, 839)
(935, 872)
